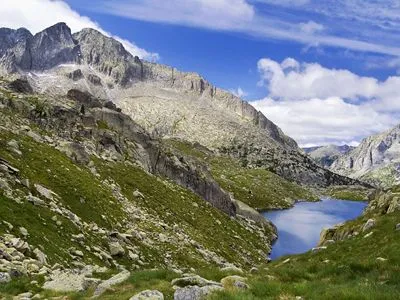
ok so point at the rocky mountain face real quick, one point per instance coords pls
(85, 192)
(376, 159)
(164, 101)
(326, 155)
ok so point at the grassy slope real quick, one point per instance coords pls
(345, 270)
(258, 188)
(176, 205)
(353, 193)
(351, 272)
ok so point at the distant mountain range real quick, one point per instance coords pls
(326, 155)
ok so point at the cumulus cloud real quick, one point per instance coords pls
(37, 15)
(291, 80)
(317, 105)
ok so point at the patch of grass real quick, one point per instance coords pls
(351, 193)
(79, 190)
(101, 124)
(348, 269)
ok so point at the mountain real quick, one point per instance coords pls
(326, 155)
(376, 159)
(121, 177)
(166, 102)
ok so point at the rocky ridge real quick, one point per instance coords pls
(163, 100)
(376, 159)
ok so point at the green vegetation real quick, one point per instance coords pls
(352, 193)
(258, 188)
(101, 124)
(78, 188)
(356, 268)
(176, 205)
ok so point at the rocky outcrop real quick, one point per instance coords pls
(52, 47)
(45, 50)
(160, 162)
(15, 49)
(108, 56)
(376, 159)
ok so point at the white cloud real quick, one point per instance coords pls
(239, 92)
(311, 27)
(285, 2)
(248, 17)
(37, 15)
(215, 14)
(317, 106)
(324, 121)
(308, 80)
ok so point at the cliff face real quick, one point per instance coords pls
(376, 159)
(164, 101)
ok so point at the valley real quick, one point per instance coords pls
(125, 179)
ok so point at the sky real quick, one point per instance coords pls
(325, 71)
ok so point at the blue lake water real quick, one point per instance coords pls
(299, 227)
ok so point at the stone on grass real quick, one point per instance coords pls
(107, 284)
(23, 231)
(116, 249)
(148, 295)
(65, 282)
(234, 281)
(369, 224)
(196, 292)
(193, 280)
(4, 278)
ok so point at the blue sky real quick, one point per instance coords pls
(325, 71)
(229, 58)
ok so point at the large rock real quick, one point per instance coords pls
(116, 249)
(21, 85)
(148, 295)
(67, 282)
(4, 278)
(195, 292)
(369, 224)
(107, 284)
(193, 280)
(236, 282)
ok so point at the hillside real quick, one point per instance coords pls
(375, 160)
